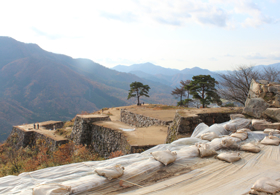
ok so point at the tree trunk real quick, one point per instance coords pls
(181, 102)
(138, 97)
(203, 105)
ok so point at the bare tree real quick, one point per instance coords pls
(235, 85)
(181, 91)
(271, 74)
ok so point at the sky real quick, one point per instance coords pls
(210, 34)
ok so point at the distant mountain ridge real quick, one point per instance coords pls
(172, 77)
(167, 76)
(36, 85)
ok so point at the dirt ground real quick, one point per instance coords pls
(146, 136)
(165, 113)
(140, 136)
(42, 130)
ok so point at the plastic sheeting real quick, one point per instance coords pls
(81, 177)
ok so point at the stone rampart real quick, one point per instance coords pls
(82, 129)
(23, 138)
(184, 126)
(139, 120)
(105, 140)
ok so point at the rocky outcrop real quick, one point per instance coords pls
(139, 120)
(273, 113)
(255, 107)
(262, 97)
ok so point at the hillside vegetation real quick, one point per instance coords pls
(36, 85)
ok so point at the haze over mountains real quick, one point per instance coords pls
(36, 85)
(167, 76)
(172, 77)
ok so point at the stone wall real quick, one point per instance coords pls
(139, 120)
(105, 141)
(51, 126)
(22, 138)
(173, 129)
(82, 129)
(184, 126)
(263, 100)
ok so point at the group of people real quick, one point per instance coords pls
(36, 125)
(139, 104)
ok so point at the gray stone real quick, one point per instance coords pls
(273, 113)
(276, 102)
(255, 107)
(234, 116)
(261, 125)
(139, 120)
(274, 89)
(264, 82)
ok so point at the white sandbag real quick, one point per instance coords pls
(228, 141)
(250, 147)
(51, 189)
(269, 140)
(229, 156)
(265, 184)
(273, 131)
(216, 128)
(188, 141)
(111, 172)
(209, 136)
(243, 130)
(216, 144)
(165, 157)
(205, 150)
(241, 136)
(187, 152)
(238, 123)
(200, 129)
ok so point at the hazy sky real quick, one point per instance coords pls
(213, 34)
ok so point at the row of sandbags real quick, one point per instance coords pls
(204, 142)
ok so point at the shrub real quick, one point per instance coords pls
(116, 154)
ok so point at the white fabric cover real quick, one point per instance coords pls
(165, 157)
(241, 136)
(250, 147)
(202, 128)
(111, 172)
(269, 140)
(205, 150)
(229, 156)
(209, 136)
(238, 123)
(51, 189)
(265, 184)
(188, 141)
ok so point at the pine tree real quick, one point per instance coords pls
(137, 89)
(202, 87)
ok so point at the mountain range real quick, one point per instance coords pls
(36, 85)
(172, 77)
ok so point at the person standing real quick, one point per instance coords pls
(34, 126)
(38, 126)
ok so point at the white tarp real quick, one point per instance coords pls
(81, 177)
